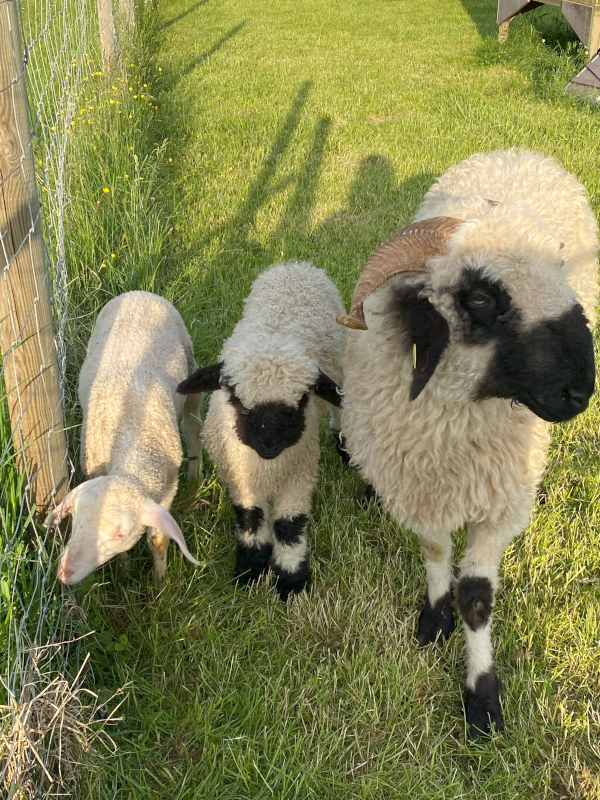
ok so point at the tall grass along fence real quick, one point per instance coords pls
(48, 51)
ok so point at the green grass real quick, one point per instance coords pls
(312, 130)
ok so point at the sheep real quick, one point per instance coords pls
(277, 372)
(476, 338)
(138, 352)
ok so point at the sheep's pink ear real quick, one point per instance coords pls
(65, 508)
(155, 516)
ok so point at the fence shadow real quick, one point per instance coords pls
(184, 14)
(170, 81)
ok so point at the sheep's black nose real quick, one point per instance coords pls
(577, 399)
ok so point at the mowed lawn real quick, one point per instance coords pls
(311, 130)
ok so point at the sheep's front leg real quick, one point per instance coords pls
(436, 621)
(289, 562)
(158, 543)
(254, 545)
(475, 599)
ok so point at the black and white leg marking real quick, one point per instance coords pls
(254, 546)
(290, 561)
(436, 620)
(475, 600)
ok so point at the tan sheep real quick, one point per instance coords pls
(138, 352)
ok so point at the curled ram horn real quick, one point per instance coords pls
(405, 251)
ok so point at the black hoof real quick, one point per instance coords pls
(289, 583)
(251, 563)
(340, 446)
(369, 497)
(436, 623)
(482, 706)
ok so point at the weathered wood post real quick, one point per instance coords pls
(108, 36)
(26, 335)
(127, 11)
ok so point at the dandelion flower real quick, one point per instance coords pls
(106, 190)
(113, 255)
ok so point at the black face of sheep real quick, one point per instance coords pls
(269, 428)
(549, 367)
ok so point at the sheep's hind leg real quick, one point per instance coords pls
(254, 543)
(475, 598)
(191, 425)
(436, 620)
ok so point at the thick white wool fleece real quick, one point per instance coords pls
(138, 353)
(442, 460)
(287, 333)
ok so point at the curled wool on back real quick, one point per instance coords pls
(536, 181)
(298, 300)
(138, 353)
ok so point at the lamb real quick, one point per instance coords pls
(138, 352)
(278, 371)
(476, 336)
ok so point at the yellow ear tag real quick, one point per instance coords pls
(414, 356)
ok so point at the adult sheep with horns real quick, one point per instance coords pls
(472, 334)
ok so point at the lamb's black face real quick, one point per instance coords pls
(269, 428)
(548, 367)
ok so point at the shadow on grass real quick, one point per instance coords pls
(376, 206)
(184, 14)
(483, 14)
(170, 82)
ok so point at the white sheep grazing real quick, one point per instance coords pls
(478, 336)
(138, 352)
(277, 369)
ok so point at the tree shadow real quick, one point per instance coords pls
(184, 14)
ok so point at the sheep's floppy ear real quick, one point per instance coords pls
(155, 516)
(63, 509)
(328, 390)
(428, 334)
(205, 379)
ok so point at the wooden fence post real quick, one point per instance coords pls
(26, 335)
(127, 12)
(108, 36)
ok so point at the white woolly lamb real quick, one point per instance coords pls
(277, 369)
(477, 339)
(138, 352)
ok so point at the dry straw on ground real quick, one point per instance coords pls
(47, 731)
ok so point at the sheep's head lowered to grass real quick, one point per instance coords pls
(269, 385)
(514, 325)
(109, 516)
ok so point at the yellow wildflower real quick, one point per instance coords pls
(106, 190)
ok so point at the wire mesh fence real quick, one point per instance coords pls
(48, 50)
